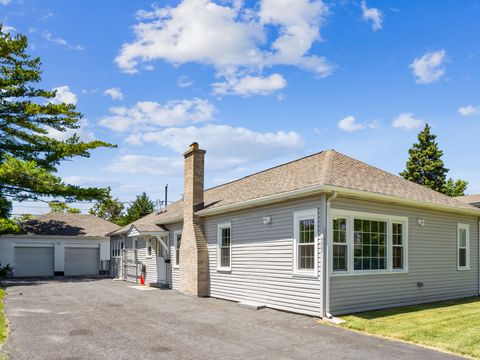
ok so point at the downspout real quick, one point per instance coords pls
(327, 256)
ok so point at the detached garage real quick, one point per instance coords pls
(58, 244)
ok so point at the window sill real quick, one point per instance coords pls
(224, 270)
(368, 273)
(299, 274)
(176, 266)
(463, 269)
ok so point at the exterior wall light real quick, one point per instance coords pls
(267, 220)
(421, 222)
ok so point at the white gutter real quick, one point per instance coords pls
(327, 256)
(317, 189)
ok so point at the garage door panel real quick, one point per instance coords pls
(80, 261)
(33, 261)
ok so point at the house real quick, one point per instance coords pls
(471, 199)
(58, 244)
(325, 234)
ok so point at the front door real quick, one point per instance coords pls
(161, 266)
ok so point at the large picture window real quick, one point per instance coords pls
(367, 243)
(463, 246)
(224, 246)
(305, 242)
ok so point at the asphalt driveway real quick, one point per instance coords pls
(106, 319)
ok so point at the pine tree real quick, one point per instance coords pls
(425, 166)
(28, 155)
(139, 208)
(109, 209)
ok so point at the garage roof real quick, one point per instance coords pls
(56, 223)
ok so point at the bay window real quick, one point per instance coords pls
(367, 243)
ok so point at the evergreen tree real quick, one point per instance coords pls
(139, 208)
(28, 155)
(109, 209)
(425, 166)
(58, 206)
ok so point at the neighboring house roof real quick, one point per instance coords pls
(470, 199)
(329, 168)
(66, 224)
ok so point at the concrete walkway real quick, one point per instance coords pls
(106, 319)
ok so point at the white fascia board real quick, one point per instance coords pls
(53, 237)
(266, 200)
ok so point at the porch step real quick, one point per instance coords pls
(251, 305)
(159, 286)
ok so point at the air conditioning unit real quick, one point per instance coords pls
(104, 267)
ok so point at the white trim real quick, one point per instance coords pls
(297, 217)
(148, 244)
(465, 227)
(176, 264)
(317, 189)
(350, 216)
(220, 227)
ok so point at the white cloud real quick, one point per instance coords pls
(250, 85)
(350, 124)
(147, 114)
(47, 35)
(469, 110)
(407, 121)
(8, 29)
(83, 132)
(184, 81)
(429, 67)
(64, 95)
(372, 14)
(5, 2)
(114, 93)
(134, 164)
(87, 181)
(227, 146)
(229, 36)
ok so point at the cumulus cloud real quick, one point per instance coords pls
(373, 15)
(407, 121)
(115, 93)
(350, 124)
(153, 165)
(229, 36)
(227, 146)
(88, 181)
(64, 95)
(83, 132)
(430, 67)
(5, 2)
(184, 81)
(469, 110)
(148, 114)
(250, 85)
(47, 35)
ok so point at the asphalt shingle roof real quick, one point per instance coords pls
(325, 168)
(470, 199)
(56, 223)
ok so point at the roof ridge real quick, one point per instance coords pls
(327, 166)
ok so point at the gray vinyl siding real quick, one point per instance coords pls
(262, 259)
(432, 259)
(174, 273)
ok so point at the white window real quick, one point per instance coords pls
(224, 246)
(367, 243)
(463, 246)
(177, 236)
(135, 251)
(117, 247)
(305, 242)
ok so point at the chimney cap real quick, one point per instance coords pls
(194, 146)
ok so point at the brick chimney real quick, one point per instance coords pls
(193, 249)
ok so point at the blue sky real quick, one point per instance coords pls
(256, 83)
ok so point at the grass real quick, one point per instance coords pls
(3, 320)
(452, 326)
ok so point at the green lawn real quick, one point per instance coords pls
(453, 326)
(3, 320)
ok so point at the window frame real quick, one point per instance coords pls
(116, 250)
(176, 262)
(465, 227)
(220, 227)
(149, 248)
(350, 216)
(297, 217)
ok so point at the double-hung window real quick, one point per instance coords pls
(463, 246)
(177, 237)
(367, 243)
(149, 247)
(117, 247)
(224, 248)
(305, 242)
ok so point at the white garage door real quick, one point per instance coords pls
(82, 261)
(33, 261)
